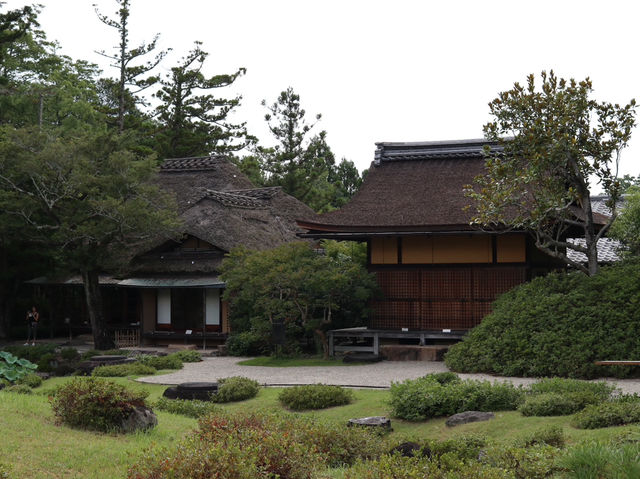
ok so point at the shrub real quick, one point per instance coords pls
(31, 353)
(188, 356)
(47, 362)
(425, 398)
(556, 404)
(316, 396)
(31, 380)
(247, 343)
(558, 325)
(122, 370)
(109, 352)
(95, 403)
(445, 377)
(602, 460)
(258, 446)
(69, 354)
(13, 368)
(600, 389)
(161, 362)
(606, 414)
(463, 447)
(550, 435)
(19, 389)
(398, 467)
(185, 407)
(4, 471)
(236, 388)
(538, 461)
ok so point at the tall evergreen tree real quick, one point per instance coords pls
(194, 122)
(131, 74)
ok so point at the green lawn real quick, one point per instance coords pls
(35, 447)
(274, 362)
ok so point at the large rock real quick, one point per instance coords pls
(468, 416)
(141, 418)
(199, 390)
(411, 449)
(377, 422)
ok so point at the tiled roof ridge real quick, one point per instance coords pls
(426, 150)
(191, 163)
(263, 193)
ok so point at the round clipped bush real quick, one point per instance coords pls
(316, 396)
(558, 325)
(96, 404)
(426, 398)
(161, 362)
(236, 388)
(554, 404)
(188, 356)
(607, 414)
(123, 370)
(31, 380)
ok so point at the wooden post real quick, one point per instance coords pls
(376, 344)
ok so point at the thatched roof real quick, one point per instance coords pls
(413, 187)
(218, 204)
(410, 186)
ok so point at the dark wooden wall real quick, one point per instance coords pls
(441, 297)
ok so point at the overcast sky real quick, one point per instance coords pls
(378, 70)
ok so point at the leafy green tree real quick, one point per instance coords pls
(299, 286)
(555, 139)
(627, 181)
(194, 122)
(14, 26)
(626, 228)
(346, 180)
(88, 196)
(133, 77)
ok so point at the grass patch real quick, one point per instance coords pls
(273, 362)
(27, 423)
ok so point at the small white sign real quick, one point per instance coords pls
(404, 330)
(446, 330)
(188, 331)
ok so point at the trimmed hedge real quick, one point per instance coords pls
(170, 361)
(123, 370)
(426, 398)
(611, 413)
(314, 396)
(185, 407)
(558, 325)
(556, 404)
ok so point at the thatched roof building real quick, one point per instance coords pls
(221, 209)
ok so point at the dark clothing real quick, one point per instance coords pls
(32, 328)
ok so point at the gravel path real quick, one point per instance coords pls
(376, 375)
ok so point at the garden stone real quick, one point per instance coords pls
(467, 417)
(411, 449)
(197, 390)
(141, 418)
(171, 393)
(373, 422)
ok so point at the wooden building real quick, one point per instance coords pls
(436, 270)
(171, 292)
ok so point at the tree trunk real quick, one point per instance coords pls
(325, 342)
(101, 337)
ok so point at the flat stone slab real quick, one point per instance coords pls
(107, 358)
(195, 390)
(467, 417)
(372, 421)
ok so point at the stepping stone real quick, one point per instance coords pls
(468, 416)
(372, 421)
(362, 358)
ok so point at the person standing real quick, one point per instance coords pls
(32, 325)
